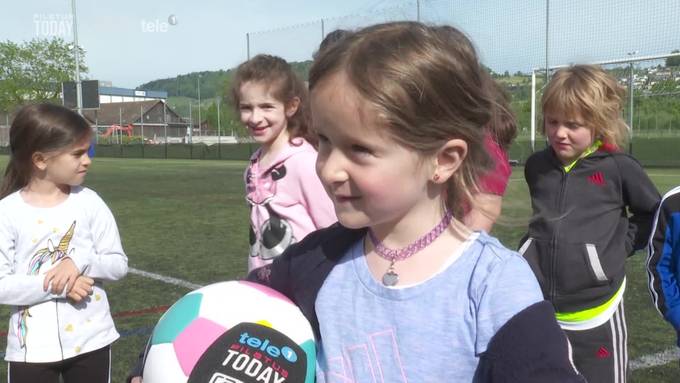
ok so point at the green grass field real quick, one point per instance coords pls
(188, 220)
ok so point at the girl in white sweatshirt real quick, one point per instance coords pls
(58, 242)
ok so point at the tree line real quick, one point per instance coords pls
(33, 71)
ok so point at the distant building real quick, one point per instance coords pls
(109, 94)
(120, 106)
(152, 119)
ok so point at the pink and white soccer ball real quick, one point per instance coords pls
(231, 332)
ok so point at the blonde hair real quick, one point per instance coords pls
(427, 87)
(594, 95)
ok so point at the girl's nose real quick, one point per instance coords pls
(330, 167)
(256, 116)
(561, 131)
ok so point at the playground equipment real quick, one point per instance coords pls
(127, 130)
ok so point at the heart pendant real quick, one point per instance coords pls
(390, 278)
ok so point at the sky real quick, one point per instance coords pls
(130, 42)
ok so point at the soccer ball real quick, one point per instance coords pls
(231, 332)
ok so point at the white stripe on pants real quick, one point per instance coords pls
(601, 353)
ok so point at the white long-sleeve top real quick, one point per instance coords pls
(44, 327)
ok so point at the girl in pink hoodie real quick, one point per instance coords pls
(286, 197)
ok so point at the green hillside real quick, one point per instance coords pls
(213, 83)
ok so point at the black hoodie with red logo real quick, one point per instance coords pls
(585, 223)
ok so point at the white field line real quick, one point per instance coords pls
(645, 361)
(661, 175)
(166, 279)
(653, 360)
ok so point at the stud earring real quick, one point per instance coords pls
(435, 178)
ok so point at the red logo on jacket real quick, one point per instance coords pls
(603, 353)
(596, 178)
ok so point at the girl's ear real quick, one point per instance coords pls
(596, 134)
(292, 107)
(448, 160)
(39, 160)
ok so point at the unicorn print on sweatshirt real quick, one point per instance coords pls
(45, 256)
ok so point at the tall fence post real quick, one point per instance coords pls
(141, 117)
(165, 128)
(418, 10)
(191, 134)
(120, 131)
(219, 130)
(547, 41)
(191, 127)
(533, 111)
(248, 46)
(631, 90)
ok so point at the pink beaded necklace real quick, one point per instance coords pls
(391, 278)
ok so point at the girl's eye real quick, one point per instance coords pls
(324, 146)
(362, 150)
(244, 107)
